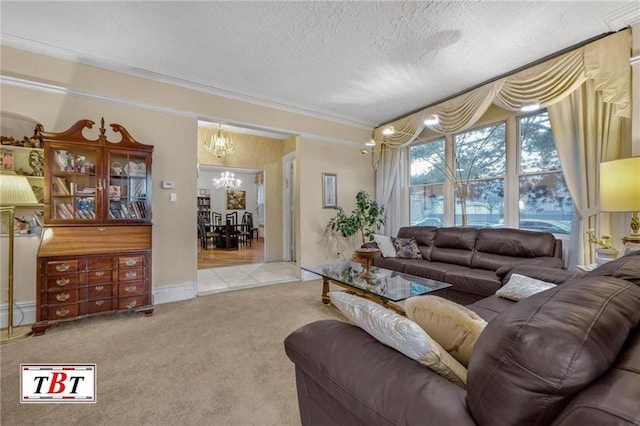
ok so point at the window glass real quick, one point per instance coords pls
(544, 202)
(427, 204)
(480, 153)
(480, 158)
(427, 162)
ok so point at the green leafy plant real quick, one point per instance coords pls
(365, 219)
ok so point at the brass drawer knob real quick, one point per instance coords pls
(99, 287)
(130, 262)
(99, 273)
(62, 312)
(63, 281)
(131, 274)
(131, 288)
(62, 267)
(61, 297)
(99, 302)
(131, 304)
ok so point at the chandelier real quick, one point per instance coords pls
(226, 180)
(219, 144)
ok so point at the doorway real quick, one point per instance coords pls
(288, 207)
(214, 203)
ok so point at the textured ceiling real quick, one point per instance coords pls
(363, 63)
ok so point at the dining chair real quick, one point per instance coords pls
(207, 238)
(245, 229)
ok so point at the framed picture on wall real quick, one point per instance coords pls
(329, 191)
(236, 200)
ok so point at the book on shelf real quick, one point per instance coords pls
(59, 186)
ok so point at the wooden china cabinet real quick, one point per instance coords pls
(95, 250)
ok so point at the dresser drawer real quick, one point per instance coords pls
(99, 291)
(100, 263)
(64, 281)
(61, 266)
(131, 288)
(130, 274)
(131, 302)
(62, 296)
(130, 261)
(60, 312)
(102, 276)
(101, 305)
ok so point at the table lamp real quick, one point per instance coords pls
(15, 191)
(620, 191)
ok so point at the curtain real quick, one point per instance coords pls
(603, 63)
(389, 186)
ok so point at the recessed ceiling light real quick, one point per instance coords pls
(431, 120)
(530, 107)
(389, 131)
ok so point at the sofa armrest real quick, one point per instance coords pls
(369, 381)
(544, 273)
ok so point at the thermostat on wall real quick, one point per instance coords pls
(168, 184)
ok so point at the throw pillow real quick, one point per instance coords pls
(518, 287)
(387, 249)
(406, 248)
(453, 326)
(400, 333)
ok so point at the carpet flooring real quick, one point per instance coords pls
(213, 360)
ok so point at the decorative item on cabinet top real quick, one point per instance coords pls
(96, 181)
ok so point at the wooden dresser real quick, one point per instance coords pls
(107, 270)
(95, 250)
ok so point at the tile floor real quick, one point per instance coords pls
(227, 278)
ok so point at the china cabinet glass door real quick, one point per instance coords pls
(127, 186)
(74, 186)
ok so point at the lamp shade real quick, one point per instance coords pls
(15, 190)
(620, 185)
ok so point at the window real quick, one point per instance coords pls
(480, 164)
(544, 200)
(477, 173)
(427, 176)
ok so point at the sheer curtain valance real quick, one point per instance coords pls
(605, 61)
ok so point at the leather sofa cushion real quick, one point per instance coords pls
(625, 267)
(432, 270)
(613, 398)
(391, 263)
(454, 245)
(489, 307)
(537, 357)
(515, 242)
(474, 281)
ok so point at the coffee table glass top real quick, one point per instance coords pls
(390, 285)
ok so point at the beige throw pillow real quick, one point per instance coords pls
(400, 333)
(453, 326)
(520, 286)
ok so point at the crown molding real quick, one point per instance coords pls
(32, 46)
(51, 88)
(621, 18)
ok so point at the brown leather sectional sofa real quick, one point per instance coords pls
(473, 261)
(567, 356)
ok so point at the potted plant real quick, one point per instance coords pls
(365, 219)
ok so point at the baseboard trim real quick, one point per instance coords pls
(175, 292)
(25, 312)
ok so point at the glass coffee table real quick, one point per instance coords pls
(385, 287)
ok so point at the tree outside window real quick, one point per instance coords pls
(544, 202)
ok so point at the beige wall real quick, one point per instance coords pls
(166, 116)
(354, 172)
